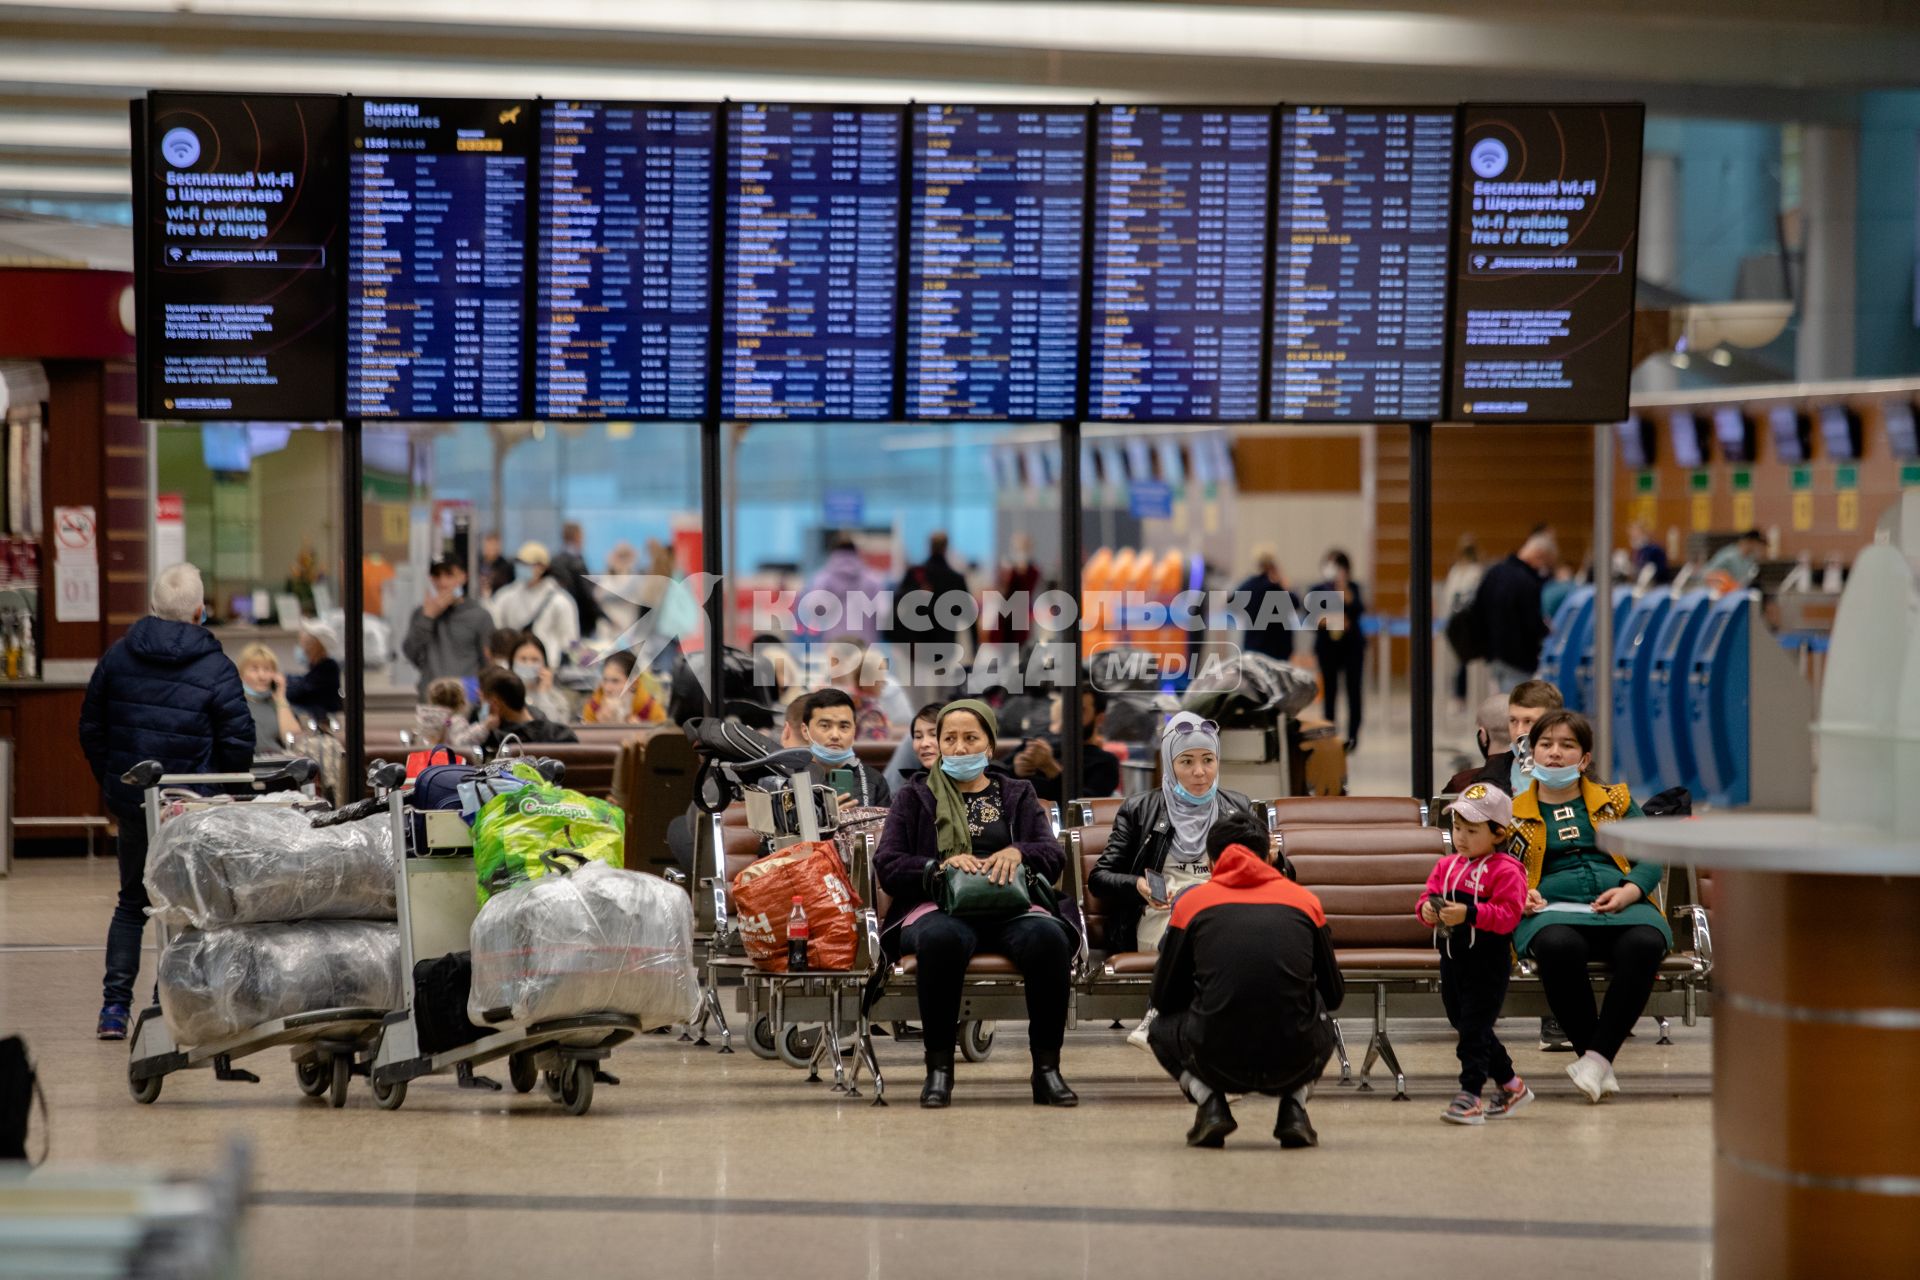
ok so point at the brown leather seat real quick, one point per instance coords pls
(1388, 959)
(1132, 963)
(589, 764)
(1104, 808)
(876, 753)
(1369, 879)
(1092, 842)
(981, 966)
(1301, 811)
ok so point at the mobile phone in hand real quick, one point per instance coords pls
(1157, 886)
(842, 781)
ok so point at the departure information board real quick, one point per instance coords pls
(998, 215)
(1362, 230)
(437, 268)
(1544, 262)
(624, 312)
(240, 199)
(1179, 263)
(812, 262)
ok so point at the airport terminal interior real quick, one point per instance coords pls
(950, 638)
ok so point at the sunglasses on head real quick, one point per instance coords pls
(1188, 724)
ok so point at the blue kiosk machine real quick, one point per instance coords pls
(1747, 706)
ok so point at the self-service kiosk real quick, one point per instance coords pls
(1668, 728)
(1748, 708)
(1634, 760)
(1571, 635)
(1581, 697)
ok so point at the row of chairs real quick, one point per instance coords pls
(1366, 857)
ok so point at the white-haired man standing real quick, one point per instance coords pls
(165, 691)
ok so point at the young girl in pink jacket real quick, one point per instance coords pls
(1473, 902)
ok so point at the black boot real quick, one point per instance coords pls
(1212, 1122)
(938, 1090)
(1049, 1087)
(1293, 1128)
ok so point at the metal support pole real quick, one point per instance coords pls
(1601, 712)
(1072, 555)
(353, 504)
(1420, 603)
(713, 561)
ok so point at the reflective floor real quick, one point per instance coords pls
(702, 1165)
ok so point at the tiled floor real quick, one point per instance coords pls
(701, 1165)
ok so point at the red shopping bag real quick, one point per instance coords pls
(763, 897)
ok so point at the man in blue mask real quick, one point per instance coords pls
(827, 729)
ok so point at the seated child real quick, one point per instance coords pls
(442, 719)
(1473, 901)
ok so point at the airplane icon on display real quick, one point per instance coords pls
(510, 116)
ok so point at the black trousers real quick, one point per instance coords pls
(1348, 663)
(1633, 952)
(128, 928)
(1473, 986)
(1171, 1038)
(1038, 946)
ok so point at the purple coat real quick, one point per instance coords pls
(908, 850)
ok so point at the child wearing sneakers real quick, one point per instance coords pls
(1473, 902)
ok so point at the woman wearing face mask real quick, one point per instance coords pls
(1583, 904)
(1163, 832)
(530, 664)
(965, 820)
(1339, 646)
(273, 718)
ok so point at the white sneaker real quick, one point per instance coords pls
(1589, 1076)
(1608, 1084)
(1138, 1036)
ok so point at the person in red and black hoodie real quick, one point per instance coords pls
(1244, 988)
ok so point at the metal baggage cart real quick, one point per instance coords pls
(434, 892)
(325, 1044)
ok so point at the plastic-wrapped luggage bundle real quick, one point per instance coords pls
(220, 982)
(592, 940)
(254, 863)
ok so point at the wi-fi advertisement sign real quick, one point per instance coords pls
(240, 222)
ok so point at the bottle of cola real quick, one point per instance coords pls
(797, 933)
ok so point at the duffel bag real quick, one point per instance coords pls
(514, 832)
(763, 895)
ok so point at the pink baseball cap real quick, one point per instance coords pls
(1484, 802)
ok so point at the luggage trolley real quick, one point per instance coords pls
(435, 896)
(324, 1042)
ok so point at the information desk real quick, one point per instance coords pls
(1817, 981)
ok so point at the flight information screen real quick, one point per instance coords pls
(241, 209)
(1179, 263)
(993, 269)
(812, 262)
(437, 267)
(1544, 264)
(1361, 236)
(623, 316)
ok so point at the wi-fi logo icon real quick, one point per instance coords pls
(181, 147)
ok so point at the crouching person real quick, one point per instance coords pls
(1244, 988)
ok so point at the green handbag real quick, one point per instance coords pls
(969, 895)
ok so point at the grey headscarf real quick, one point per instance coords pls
(1191, 822)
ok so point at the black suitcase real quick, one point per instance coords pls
(440, 990)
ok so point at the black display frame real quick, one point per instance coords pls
(901, 400)
(1456, 110)
(903, 171)
(530, 286)
(1092, 238)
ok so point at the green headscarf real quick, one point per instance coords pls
(949, 802)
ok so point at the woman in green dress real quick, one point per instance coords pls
(1582, 904)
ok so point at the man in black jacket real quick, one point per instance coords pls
(504, 695)
(1244, 988)
(570, 571)
(164, 692)
(1507, 616)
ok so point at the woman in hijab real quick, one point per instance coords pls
(1158, 845)
(962, 820)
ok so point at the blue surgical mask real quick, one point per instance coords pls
(1564, 775)
(258, 695)
(964, 768)
(1187, 797)
(827, 755)
(529, 672)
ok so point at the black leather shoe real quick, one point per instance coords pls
(1050, 1090)
(938, 1090)
(1212, 1123)
(1293, 1128)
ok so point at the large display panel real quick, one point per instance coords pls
(240, 210)
(1546, 235)
(1179, 265)
(996, 239)
(438, 190)
(808, 325)
(623, 317)
(1361, 234)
